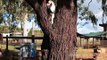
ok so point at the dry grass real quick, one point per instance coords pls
(88, 54)
(81, 53)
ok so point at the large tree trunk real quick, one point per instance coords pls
(62, 33)
(64, 40)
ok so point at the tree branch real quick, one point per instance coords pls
(40, 8)
(31, 2)
(89, 3)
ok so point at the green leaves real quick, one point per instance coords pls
(92, 17)
(1, 19)
(85, 13)
(16, 9)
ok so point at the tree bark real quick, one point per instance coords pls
(62, 33)
(63, 44)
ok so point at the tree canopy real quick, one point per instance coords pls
(61, 36)
(86, 13)
(13, 11)
(18, 8)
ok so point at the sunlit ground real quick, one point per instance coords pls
(88, 53)
(81, 52)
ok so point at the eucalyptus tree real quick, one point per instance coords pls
(1, 11)
(60, 37)
(104, 8)
(16, 10)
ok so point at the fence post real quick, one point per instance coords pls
(7, 42)
(33, 38)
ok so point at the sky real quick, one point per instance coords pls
(84, 26)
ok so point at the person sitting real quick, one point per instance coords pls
(96, 51)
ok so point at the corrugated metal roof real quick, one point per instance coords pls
(95, 34)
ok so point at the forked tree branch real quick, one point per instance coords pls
(40, 8)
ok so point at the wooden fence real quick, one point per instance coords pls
(33, 38)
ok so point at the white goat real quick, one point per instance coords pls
(51, 9)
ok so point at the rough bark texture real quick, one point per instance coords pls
(61, 35)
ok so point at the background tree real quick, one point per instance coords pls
(13, 12)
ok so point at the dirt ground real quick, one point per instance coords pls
(87, 54)
(82, 54)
